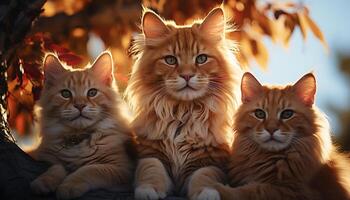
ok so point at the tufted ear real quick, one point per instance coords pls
(305, 89)
(53, 69)
(103, 68)
(250, 87)
(152, 25)
(214, 23)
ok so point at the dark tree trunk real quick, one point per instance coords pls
(17, 169)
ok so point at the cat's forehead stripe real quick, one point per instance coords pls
(185, 44)
(194, 43)
(78, 79)
(183, 39)
(273, 100)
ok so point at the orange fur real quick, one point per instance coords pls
(283, 156)
(181, 126)
(98, 161)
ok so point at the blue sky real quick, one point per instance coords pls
(288, 65)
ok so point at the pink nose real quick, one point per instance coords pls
(271, 130)
(187, 77)
(80, 107)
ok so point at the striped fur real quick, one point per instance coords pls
(179, 132)
(101, 159)
(306, 167)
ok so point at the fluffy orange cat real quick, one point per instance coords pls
(83, 133)
(282, 146)
(182, 91)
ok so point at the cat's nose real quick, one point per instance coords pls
(80, 107)
(271, 130)
(187, 77)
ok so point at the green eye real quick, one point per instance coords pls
(260, 114)
(170, 60)
(286, 114)
(66, 94)
(201, 59)
(92, 92)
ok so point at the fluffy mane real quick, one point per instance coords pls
(84, 135)
(155, 111)
(282, 146)
(315, 150)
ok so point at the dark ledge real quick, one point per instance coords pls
(17, 170)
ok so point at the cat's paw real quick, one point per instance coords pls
(148, 193)
(208, 194)
(71, 190)
(44, 185)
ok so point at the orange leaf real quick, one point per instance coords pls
(23, 121)
(70, 58)
(261, 56)
(303, 24)
(316, 30)
(289, 24)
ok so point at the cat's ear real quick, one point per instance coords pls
(250, 87)
(103, 68)
(152, 25)
(305, 89)
(53, 69)
(214, 23)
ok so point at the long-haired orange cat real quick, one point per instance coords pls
(182, 91)
(83, 132)
(282, 146)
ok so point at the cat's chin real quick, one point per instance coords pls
(80, 123)
(274, 146)
(188, 94)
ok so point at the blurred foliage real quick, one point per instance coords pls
(16, 18)
(344, 114)
(26, 79)
(70, 24)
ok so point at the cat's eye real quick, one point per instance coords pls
(201, 59)
(260, 114)
(170, 60)
(66, 93)
(286, 114)
(92, 92)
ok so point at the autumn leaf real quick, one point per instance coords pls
(21, 123)
(56, 48)
(316, 30)
(262, 55)
(278, 13)
(285, 26)
(303, 24)
(70, 58)
(32, 70)
(264, 23)
(289, 24)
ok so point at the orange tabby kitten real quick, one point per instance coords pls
(282, 147)
(83, 133)
(182, 91)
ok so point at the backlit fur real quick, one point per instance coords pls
(181, 130)
(100, 160)
(296, 161)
